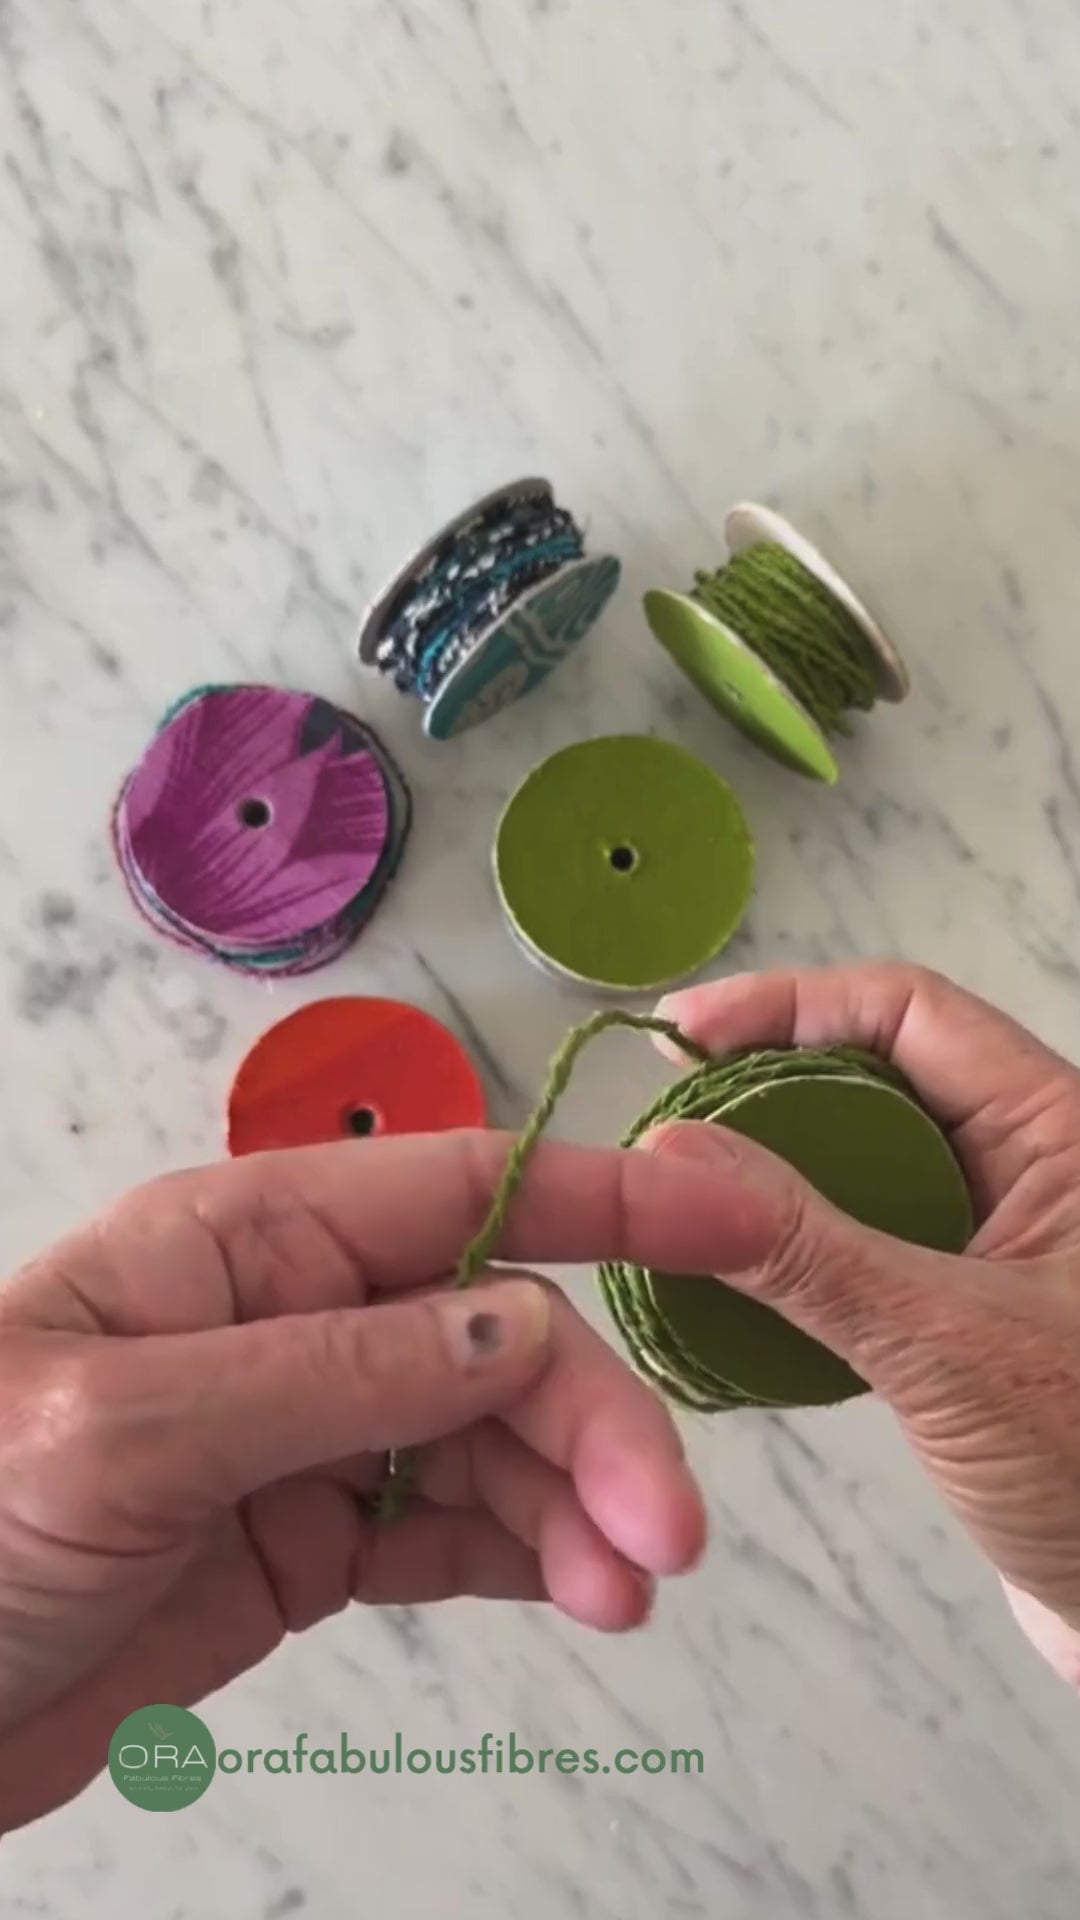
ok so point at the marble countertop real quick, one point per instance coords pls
(281, 288)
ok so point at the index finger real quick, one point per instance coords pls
(402, 1210)
(1005, 1096)
(310, 1229)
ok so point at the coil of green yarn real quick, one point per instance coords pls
(808, 640)
(850, 1124)
(845, 1119)
(778, 642)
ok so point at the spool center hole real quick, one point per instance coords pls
(361, 1122)
(623, 859)
(253, 813)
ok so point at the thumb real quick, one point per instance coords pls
(863, 1294)
(246, 1405)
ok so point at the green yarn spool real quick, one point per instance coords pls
(777, 641)
(851, 1125)
(846, 1120)
(623, 864)
(807, 639)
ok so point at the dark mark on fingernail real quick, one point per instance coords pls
(485, 1332)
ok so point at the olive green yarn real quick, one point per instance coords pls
(796, 626)
(393, 1496)
(480, 1250)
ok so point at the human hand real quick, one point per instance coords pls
(197, 1391)
(978, 1356)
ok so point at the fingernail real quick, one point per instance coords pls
(491, 1325)
(692, 1140)
(670, 1005)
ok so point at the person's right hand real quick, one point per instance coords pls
(979, 1356)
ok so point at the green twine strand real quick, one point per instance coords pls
(393, 1495)
(805, 636)
(479, 1251)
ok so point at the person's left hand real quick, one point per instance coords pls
(197, 1392)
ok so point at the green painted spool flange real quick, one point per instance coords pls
(623, 863)
(849, 1125)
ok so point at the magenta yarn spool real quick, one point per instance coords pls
(261, 827)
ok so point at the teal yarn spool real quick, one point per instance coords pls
(488, 608)
(779, 643)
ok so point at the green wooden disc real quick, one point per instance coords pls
(866, 1145)
(739, 685)
(624, 863)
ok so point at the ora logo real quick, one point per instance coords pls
(162, 1758)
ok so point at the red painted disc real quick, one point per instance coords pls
(346, 1068)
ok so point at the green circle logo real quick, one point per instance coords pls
(162, 1758)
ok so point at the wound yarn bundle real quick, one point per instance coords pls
(807, 639)
(850, 1124)
(779, 643)
(261, 827)
(488, 608)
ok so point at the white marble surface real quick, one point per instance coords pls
(280, 288)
